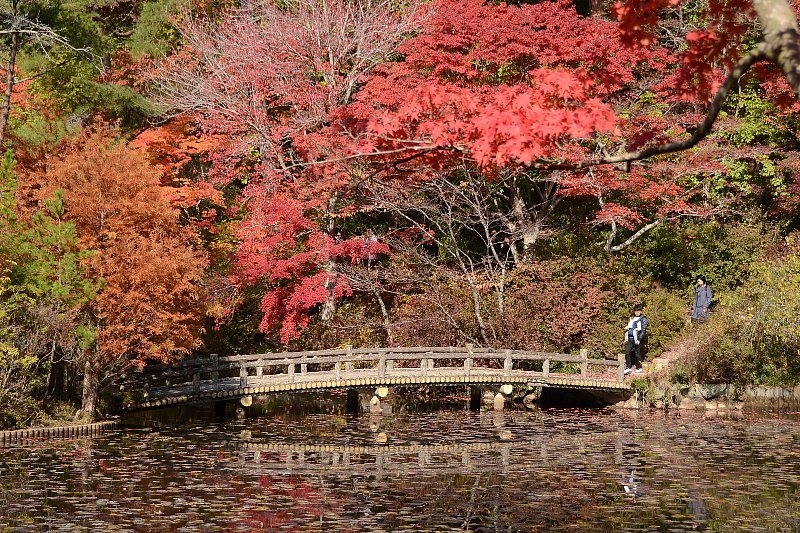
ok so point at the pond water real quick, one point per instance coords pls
(452, 470)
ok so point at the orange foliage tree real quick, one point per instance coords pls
(150, 269)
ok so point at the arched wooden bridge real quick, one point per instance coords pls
(225, 378)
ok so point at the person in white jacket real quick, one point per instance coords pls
(635, 333)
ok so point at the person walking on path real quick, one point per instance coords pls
(635, 333)
(703, 296)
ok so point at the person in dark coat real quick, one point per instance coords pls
(635, 333)
(703, 296)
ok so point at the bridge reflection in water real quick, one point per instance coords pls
(262, 457)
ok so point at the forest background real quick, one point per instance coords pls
(200, 176)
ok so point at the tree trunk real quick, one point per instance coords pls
(329, 307)
(782, 37)
(387, 324)
(5, 111)
(91, 390)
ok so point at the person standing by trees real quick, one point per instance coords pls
(703, 296)
(635, 332)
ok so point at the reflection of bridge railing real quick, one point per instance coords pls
(240, 375)
(260, 457)
(372, 460)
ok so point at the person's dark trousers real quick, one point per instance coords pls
(633, 354)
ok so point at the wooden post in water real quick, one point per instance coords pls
(475, 396)
(353, 402)
(584, 362)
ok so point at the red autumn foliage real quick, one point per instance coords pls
(281, 246)
(261, 80)
(710, 49)
(501, 83)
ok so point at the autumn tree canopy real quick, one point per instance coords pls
(148, 268)
(326, 172)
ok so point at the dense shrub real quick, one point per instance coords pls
(757, 338)
(356, 322)
(673, 254)
(558, 305)
(440, 314)
(668, 315)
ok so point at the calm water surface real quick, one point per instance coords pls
(573, 470)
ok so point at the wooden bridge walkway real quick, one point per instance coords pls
(224, 378)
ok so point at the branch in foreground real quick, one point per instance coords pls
(745, 63)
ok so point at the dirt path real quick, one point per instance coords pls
(661, 364)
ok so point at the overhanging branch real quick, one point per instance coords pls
(760, 53)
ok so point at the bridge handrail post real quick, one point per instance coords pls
(337, 369)
(214, 367)
(348, 364)
(242, 374)
(196, 381)
(546, 368)
(620, 367)
(584, 363)
(290, 370)
(508, 364)
(381, 363)
(468, 360)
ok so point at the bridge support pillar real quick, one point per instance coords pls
(375, 405)
(500, 398)
(383, 405)
(475, 395)
(219, 409)
(499, 401)
(353, 404)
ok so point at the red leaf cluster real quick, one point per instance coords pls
(501, 83)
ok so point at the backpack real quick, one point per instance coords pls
(643, 320)
(643, 339)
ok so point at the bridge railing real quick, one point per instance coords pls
(298, 367)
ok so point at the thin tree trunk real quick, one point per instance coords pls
(91, 390)
(387, 324)
(5, 111)
(329, 307)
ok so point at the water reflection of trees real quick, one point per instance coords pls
(510, 471)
